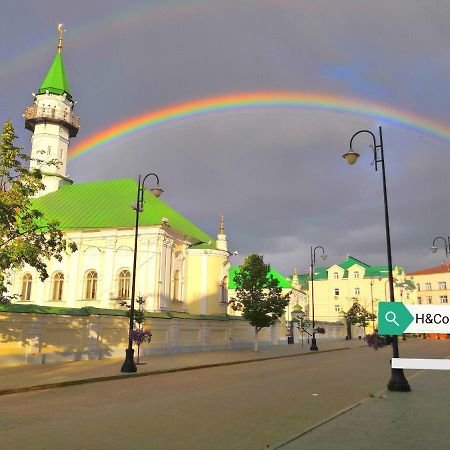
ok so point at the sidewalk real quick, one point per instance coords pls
(24, 378)
(416, 420)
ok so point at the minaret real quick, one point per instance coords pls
(52, 122)
(295, 283)
(222, 237)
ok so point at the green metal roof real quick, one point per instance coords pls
(320, 273)
(91, 311)
(350, 262)
(56, 80)
(377, 271)
(107, 204)
(282, 281)
(210, 245)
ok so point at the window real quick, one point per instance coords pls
(356, 275)
(176, 286)
(419, 300)
(418, 286)
(442, 285)
(27, 279)
(430, 300)
(443, 298)
(337, 308)
(336, 291)
(357, 291)
(335, 275)
(90, 285)
(57, 286)
(123, 284)
(428, 286)
(224, 290)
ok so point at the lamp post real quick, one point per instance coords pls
(129, 365)
(434, 247)
(398, 381)
(371, 299)
(313, 347)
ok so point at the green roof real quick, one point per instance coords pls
(351, 261)
(210, 245)
(107, 204)
(320, 273)
(282, 281)
(92, 311)
(56, 80)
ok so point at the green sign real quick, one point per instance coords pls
(393, 317)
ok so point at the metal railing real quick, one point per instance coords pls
(33, 112)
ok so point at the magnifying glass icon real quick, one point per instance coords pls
(391, 317)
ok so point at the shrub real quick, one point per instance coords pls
(377, 341)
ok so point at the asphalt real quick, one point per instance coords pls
(416, 420)
(25, 378)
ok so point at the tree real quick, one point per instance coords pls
(25, 236)
(357, 315)
(258, 294)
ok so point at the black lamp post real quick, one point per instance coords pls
(434, 247)
(398, 381)
(371, 299)
(313, 347)
(129, 365)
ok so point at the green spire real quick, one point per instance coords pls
(56, 80)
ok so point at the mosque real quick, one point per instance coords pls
(179, 267)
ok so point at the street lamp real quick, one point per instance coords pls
(371, 299)
(434, 247)
(313, 347)
(129, 365)
(398, 381)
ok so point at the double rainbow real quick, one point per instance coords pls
(259, 101)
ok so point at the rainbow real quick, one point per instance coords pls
(259, 101)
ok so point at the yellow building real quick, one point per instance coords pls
(336, 288)
(432, 285)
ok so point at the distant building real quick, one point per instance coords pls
(336, 288)
(432, 285)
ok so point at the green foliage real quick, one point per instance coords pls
(138, 313)
(258, 295)
(25, 236)
(358, 315)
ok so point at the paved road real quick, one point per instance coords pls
(247, 406)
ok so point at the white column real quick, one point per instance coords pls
(108, 274)
(73, 281)
(204, 284)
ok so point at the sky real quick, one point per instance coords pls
(276, 173)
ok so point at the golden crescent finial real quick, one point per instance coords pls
(60, 31)
(222, 227)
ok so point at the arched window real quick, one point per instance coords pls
(57, 286)
(27, 279)
(123, 284)
(224, 290)
(90, 285)
(176, 286)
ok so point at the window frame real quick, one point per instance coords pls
(57, 286)
(124, 284)
(90, 284)
(26, 286)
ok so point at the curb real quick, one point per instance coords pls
(41, 387)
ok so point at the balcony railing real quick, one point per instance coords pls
(34, 115)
